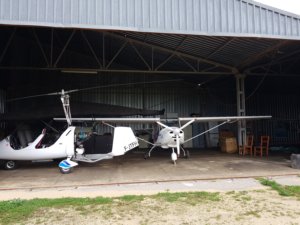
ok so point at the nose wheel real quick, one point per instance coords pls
(65, 170)
(173, 156)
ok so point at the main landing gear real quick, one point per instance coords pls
(10, 164)
(174, 156)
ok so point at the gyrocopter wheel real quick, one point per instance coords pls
(65, 170)
(10, 165)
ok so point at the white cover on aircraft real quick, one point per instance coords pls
(124, 140)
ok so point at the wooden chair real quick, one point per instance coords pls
(247, 147)
(263, 147)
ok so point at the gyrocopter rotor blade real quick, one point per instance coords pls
(33, 96)
(90, 88)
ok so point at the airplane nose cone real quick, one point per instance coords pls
(177, 131)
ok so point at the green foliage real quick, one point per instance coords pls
(189, 197)
(281, 189)
(295, 190)
(132, 198)
(19, 210)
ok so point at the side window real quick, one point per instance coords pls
(14, 142)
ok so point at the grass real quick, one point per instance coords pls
(252, 213)
(132, 198)
(20, 211)
(240, 196)
(188, 197)
(16, 211)
(283, 190)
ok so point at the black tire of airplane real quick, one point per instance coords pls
(10, 165)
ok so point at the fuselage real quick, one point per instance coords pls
(63, 147)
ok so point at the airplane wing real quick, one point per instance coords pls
(180, 119)
(222, 118)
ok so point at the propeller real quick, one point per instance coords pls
(178, 144)
(165, 126)
(176, 131)
(188, 123)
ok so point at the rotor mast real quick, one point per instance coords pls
(65, 99)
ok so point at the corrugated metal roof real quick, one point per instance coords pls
(203, 17)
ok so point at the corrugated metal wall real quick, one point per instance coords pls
(2, 105)
(177, 98)
(184, 98)
(2, 99)
(284, 128)
(208, 17)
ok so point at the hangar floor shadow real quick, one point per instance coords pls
(133, 168)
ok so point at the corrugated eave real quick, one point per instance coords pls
(198, 17)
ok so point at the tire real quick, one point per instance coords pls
(65, 170)
(10, 165)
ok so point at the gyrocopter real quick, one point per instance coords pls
(65, 146)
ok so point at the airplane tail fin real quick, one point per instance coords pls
(124, 140)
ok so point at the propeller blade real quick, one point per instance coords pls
(165, 126)
(178, 144)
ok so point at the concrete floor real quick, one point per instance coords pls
(132, 168)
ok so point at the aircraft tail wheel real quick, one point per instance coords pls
(146, 156)
(10, 165)
(65, 170)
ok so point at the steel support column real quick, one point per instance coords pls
(241, 107)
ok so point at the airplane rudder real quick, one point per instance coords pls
(124, 140)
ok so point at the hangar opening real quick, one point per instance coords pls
(189, 58)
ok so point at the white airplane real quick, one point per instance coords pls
(64, 147)
(171, 137)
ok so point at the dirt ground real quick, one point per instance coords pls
(245, 207)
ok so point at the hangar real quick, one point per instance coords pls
(222, 58)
